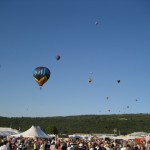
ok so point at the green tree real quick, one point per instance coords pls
(51, 129)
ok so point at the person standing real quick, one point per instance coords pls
(102, 146)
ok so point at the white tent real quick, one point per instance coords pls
(8, 131)
(139, 134)
(74, 136)
(2, 134)
(32, 132)
(125, 137)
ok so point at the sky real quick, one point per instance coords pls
(109, 38)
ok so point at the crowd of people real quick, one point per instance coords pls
(70, 144)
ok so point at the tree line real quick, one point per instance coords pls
(123, 124)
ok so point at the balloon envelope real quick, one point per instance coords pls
(57, 57)
(89, 80)
(96, 23)
(118, 81)
(41, 75)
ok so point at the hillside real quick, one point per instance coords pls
(125, 123)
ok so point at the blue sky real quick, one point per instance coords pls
(33, 32)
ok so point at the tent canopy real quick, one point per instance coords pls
(8, 131)
(32, 132)
(124, 137)
(139, 134)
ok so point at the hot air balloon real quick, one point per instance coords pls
(118, 81)
(57, 57)
(90, 80)
(96, 23)
(41, 75)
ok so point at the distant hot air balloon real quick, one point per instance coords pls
(57, 57)
(118, 81)
(90, 80)
(96, 23)
(90, 77)
(41, 75)
(107, 97)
